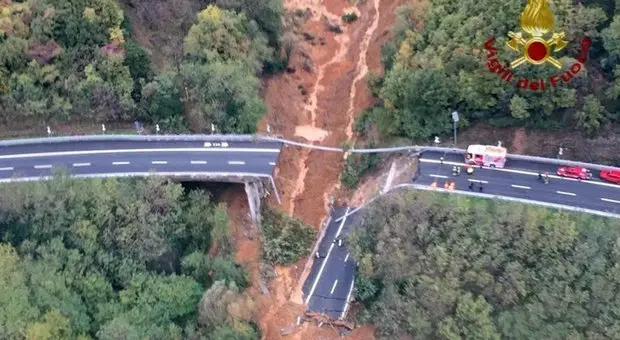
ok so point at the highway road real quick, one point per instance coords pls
(519, 179)
(110, 158)
(329, 285)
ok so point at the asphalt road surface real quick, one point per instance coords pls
(329, 285)
(121, 157)
(519, 179)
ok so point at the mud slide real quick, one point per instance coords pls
(318, 104)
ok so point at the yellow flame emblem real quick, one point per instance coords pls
(536, 20)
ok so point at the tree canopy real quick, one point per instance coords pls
(434, 266)
(111, 259)
(77, 60)
(436, 63)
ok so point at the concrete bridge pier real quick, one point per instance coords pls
(253, 190)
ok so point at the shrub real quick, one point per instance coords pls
(349, 17)
(285, 239)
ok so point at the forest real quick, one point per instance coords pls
(77, 61)
(436, 266)
(118, 259)
(436, 63)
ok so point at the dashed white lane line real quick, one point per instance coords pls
(610, 200)
(333, 287)
(566, 193)
(521, 172)
(198, 162)
(346, 257)
(120, 163)
(520, 186)
(45, 166)
(116, 151)
(236, 162)
(159, 162)
(478, 181)
(272, 163)
(10, 168)
(77, 165)
(329, 251)
(438, 176)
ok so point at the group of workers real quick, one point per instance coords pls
(456, 170)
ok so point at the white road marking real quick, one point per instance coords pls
(333, 287)
(346, 305)
(477, 181)
(272, 163)
(98, 152)
(7, 168)
(610, 200)
(198, 162)
(236, 162)
(159, 162)
(522, 172)
(520, 186)
(120, 163)
(77, 165)
(346, 257)
(318, 276)
(566, 193)
(46, 166)
(438, 176)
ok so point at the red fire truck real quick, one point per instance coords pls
(486, 155)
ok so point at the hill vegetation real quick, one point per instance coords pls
(436, 63)
(433, 266)
(76, 60)
(111, 259)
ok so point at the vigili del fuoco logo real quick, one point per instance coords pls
(537, 45)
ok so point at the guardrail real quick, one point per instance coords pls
(259, 138)
(536, 159)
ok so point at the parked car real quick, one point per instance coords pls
(610, 175)
(574, 172)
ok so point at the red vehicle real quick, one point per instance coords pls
(574, 172)
(612, 176)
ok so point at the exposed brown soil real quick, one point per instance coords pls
(317, 103)
(602, 149)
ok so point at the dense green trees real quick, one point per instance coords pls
(442, 267)
(285, 239)
(224, 54)
(111, 259)
(436, 63)
(63, 60)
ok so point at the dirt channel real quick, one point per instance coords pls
(316, 101)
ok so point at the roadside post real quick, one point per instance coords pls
(49, 131)
(455, 119)
(138, 127)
